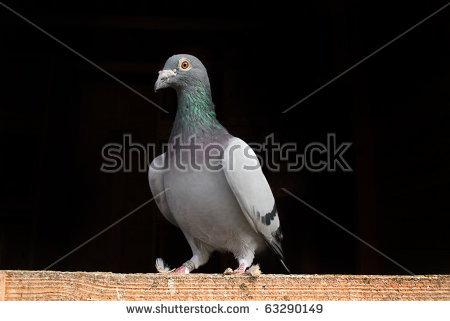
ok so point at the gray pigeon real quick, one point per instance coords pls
(209, 183)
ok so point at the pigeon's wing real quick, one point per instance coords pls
(252, 191)
(156, 180)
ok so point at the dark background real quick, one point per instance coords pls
(57, 112)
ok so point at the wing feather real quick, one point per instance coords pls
(252, 191)
(156, 181)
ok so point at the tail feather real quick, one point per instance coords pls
(275, 246)
(285, 267)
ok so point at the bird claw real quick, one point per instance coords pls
(228, 271)
(181, 270)
(239, 270)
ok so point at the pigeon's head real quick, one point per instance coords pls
(182, 72)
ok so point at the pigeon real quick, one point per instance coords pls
(209, 183)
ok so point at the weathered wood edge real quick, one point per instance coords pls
(53, 285)
(2, 286)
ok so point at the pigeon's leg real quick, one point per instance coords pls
(201, 253)
(241, 269)
(184, 269)
(245, 261)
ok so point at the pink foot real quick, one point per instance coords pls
(181, 270)
(240, 269)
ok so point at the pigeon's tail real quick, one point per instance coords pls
(285, 267)
(275, 246)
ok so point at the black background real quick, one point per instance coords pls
(57, 112)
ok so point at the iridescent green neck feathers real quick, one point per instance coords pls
(195, 114)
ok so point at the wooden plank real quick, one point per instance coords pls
(2, 286)
(48, 285)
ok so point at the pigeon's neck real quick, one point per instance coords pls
(195, 115)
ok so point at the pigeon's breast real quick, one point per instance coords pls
(205, 208)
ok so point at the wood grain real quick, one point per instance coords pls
(48, 285)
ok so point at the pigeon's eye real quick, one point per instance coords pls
(184, 64)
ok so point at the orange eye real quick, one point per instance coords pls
(184, 64)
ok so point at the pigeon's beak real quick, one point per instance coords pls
(164, 79)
